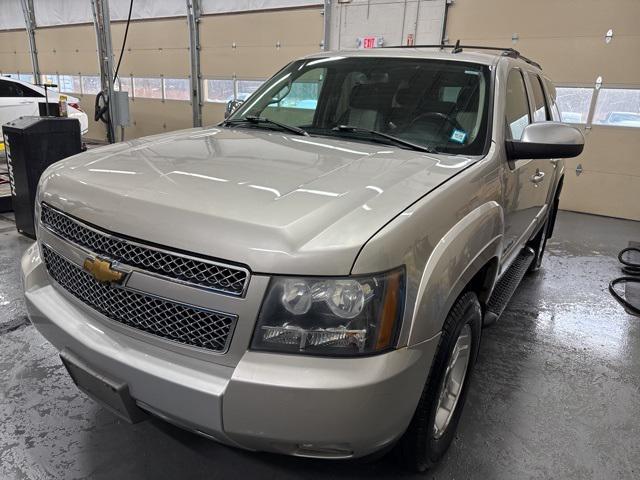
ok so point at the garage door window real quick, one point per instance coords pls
(123, 84)
(574, 103)
(517, 111)
(51, 79)
(147, 87)
(618, 107)
(69, 83)
(177, 89)
(219, 91)
(26, 77)
(247, 87)
(91, 84)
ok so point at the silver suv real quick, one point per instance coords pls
(311, 276)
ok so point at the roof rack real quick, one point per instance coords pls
(457, 48)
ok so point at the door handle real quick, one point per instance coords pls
(26, 102)
(537, 178)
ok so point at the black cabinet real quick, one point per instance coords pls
(31, 145)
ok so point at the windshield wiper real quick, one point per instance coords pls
(254, 120)
(391, 138)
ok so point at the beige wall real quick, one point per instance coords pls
(567, 38)
(610, 182)
(256, 35)
(14, 52)
(161, 47)
(154, 48)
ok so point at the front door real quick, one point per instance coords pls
(526, 181)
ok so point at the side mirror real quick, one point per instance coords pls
(232, 106)
(546, 140)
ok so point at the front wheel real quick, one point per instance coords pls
(434, 423)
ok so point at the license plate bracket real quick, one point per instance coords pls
(112, 394)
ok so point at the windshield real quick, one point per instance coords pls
(437, 104)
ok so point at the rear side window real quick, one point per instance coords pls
(540, 113)
(552, 97)
(12, 89)
(517, 111)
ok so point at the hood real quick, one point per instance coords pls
(274, 202)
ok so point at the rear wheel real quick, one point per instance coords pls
(434, 423)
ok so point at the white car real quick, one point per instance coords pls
(18, 99)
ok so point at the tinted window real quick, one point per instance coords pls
(517, 111)
(540, 113)
(433, 103)
(551, 96)
(12, 89)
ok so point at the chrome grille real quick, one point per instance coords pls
(219, 277)
(173, 321)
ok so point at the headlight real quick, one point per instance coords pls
(331, 316)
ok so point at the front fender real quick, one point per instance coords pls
(468, 246)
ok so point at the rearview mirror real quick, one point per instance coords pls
(283, 92)
(232, 106)
(546, 140)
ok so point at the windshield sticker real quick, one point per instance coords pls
(458, 136)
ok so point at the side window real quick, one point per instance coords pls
(517, 109)
(5, 91)
(552, 96)
(540, 112)
(28, 92)
(12, 89)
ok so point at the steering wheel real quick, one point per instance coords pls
(437, 116)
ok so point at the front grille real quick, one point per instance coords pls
(204, 273)
(172, 321)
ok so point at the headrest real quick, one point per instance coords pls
(407, 96)
(371, 97)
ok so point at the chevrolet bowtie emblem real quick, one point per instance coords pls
(102, 270)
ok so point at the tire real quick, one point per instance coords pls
(423, 444)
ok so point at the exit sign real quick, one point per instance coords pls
(371, 41)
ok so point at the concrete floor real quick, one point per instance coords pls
(556, 392)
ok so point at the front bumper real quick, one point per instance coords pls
(292, 404)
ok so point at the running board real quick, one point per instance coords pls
(507, 285)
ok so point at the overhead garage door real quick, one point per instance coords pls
(569, 38)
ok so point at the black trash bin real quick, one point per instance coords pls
(31, 145)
